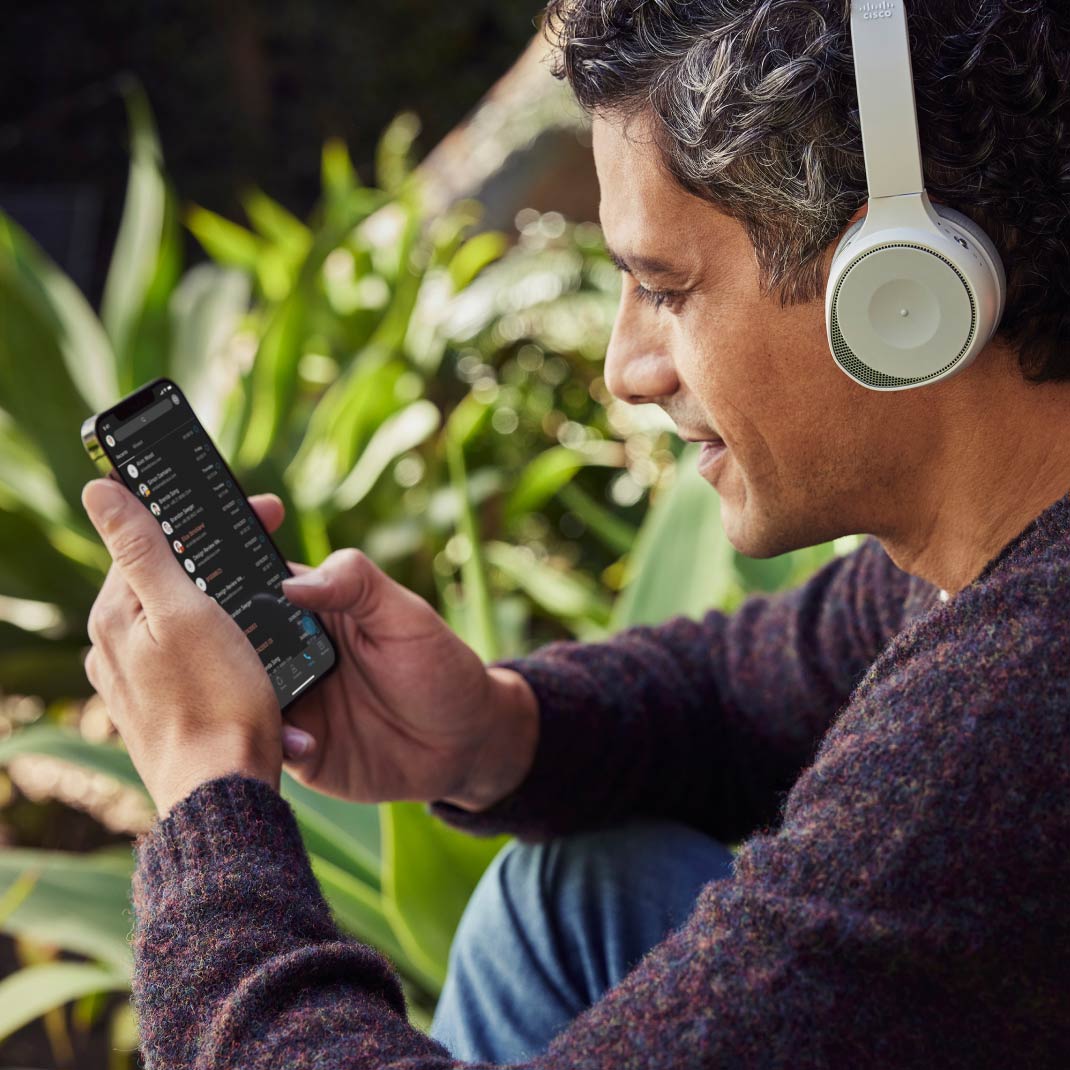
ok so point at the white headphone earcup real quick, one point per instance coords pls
(851, 231)
(980, 239)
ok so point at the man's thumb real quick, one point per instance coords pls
(347, 580)
(135, 542)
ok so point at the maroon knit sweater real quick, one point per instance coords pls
(898, 763)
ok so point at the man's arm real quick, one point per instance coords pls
(908, 913)
(708, 721)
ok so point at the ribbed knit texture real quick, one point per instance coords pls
(898, 769)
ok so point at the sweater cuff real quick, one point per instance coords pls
(234, 828)
(530, 810)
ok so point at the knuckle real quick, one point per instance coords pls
(103, 620)
(131, 549)
(91, 665)
(350, 559)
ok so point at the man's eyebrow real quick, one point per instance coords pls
(646, 265)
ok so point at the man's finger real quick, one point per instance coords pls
(269, 509)
(347, 579)
(137, 546)
(114, 611)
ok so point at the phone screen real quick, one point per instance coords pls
(163, 454)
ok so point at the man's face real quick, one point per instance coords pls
(807, 449)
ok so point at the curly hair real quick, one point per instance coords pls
(757, 113)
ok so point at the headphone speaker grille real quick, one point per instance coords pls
(862, 372)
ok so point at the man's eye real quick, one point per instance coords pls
(657, 298)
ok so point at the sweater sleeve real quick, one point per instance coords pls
(705, 721)
(908, 912)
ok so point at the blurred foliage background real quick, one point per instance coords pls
(410, 382)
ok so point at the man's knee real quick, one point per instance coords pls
(623, 886)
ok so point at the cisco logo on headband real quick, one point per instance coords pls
(882, 10)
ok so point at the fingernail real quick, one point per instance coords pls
(295, 743)
(305, 579)
(102, 499)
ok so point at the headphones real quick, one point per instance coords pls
(916, 290)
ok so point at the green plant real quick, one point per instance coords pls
(427, 393)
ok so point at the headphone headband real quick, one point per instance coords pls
(886, 98)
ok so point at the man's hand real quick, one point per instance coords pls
(410, 711)
(181, 682)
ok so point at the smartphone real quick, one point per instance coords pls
(153, 443)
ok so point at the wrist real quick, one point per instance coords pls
(212, 761)
(507, 752)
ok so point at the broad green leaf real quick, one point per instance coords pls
(479, 616)
(136, 256)
(30, 992)
(86, 349)
(225, 242)
(278, 225)
(31, 567)
(341, 425)
(396, 435)
(31, 664)
(542, 478)
(393, 155)
(30, 358)
(147, 352)
(25, 478)
(274, 378)
(79, 902)
(682, 562)
(342, 833)
(207, 308)
(429, 873)
(475, 255)
(360, 911)
(566, 595)
(616, 533)
(337, 173)
(65, 743)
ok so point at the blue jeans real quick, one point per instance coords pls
(552, 926)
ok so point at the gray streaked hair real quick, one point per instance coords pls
(756, 111)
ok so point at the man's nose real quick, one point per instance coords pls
(638, 368)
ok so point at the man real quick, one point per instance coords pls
(891, 740)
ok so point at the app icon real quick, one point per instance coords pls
(190, 566)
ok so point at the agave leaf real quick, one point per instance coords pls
(31, 992)
(278, 225)
(32, 567)
(78, 902)
(480, 632)
(31, 357)
(31, 664)
(476, 254)
(565, 595)
(86, 349)
(57, 742)
(429, 872)
(136, 259)
(207, 307)
(682, 561)
(398, 433)
(225, 242)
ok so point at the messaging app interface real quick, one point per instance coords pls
(165, 457)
